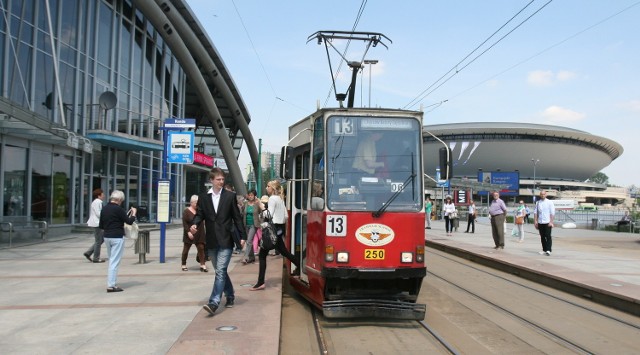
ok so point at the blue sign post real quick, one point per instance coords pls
(178, 149)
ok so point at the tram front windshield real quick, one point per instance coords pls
(373, 163)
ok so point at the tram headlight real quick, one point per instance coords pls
(420, 253)
(407, 257)
(343, 257)
(328, 253)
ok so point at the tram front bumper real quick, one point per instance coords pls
(376, 308)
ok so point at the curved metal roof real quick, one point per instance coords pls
(563, 153)
(613, 149)
(192, 103)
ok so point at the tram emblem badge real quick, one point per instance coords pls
(375, 234)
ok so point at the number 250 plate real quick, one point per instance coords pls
(374, 254)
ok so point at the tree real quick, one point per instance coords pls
(600, 178)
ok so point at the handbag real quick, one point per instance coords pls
(520, 220)
(269, 237)
(268, 240)
(131, 231)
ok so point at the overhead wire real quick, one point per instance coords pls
(437, 84)
(549, 48)
(363, 5)
(254, 48)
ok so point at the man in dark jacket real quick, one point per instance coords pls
(219, 210)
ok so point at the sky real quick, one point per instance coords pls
(569, 63)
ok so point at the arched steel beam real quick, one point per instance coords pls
(201, 55)
(154, 14)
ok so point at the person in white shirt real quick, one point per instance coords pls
(543, 221)
(449, 209)
(278, 214)
(471, 217)
(94, 221)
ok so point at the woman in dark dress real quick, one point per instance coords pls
(189, 238)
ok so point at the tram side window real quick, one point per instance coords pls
(317, 181)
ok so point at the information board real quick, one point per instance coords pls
(164, 201)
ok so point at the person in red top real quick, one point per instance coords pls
(188, 238)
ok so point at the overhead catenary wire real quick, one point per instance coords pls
(457, 68)
(363, 5)
(273, 90)
(548, 48)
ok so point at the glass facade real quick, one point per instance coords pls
(59, 77)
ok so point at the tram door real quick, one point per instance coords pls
(298, 199)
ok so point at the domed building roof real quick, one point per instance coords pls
(562, 153)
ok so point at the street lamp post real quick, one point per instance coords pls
(533, 191)
(370, 62)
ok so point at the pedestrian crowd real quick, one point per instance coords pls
(219, 223)
(543, 216)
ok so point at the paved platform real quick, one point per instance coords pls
(54, 301)
(601, 265)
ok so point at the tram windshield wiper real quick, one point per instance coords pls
(385, 205)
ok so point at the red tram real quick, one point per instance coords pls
(356, 208)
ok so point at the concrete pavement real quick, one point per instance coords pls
(55, 302)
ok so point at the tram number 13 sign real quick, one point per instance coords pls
(336, 225)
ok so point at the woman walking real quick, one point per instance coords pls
(189, 238)
(251, 210)
(112, 220)
(521, 213)
(449, 210)
(278, 213)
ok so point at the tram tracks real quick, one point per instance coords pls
(471, 309)
(574, 324)
(412, 335)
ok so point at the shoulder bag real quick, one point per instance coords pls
(268, 240)
(131, 231)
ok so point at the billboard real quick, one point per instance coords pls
(509, 178)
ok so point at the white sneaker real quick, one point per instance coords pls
(542, 252)
(548, 253)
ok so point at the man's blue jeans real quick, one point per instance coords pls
(220, 258)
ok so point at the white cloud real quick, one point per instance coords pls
(564, 75)
(548, 77)
(631, 105)
(557, 114)
(540, 78)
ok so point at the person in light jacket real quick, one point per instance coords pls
(94, 221)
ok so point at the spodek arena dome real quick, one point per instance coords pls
(562, 153)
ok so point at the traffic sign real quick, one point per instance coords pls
(184, 123)
(180, 147)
